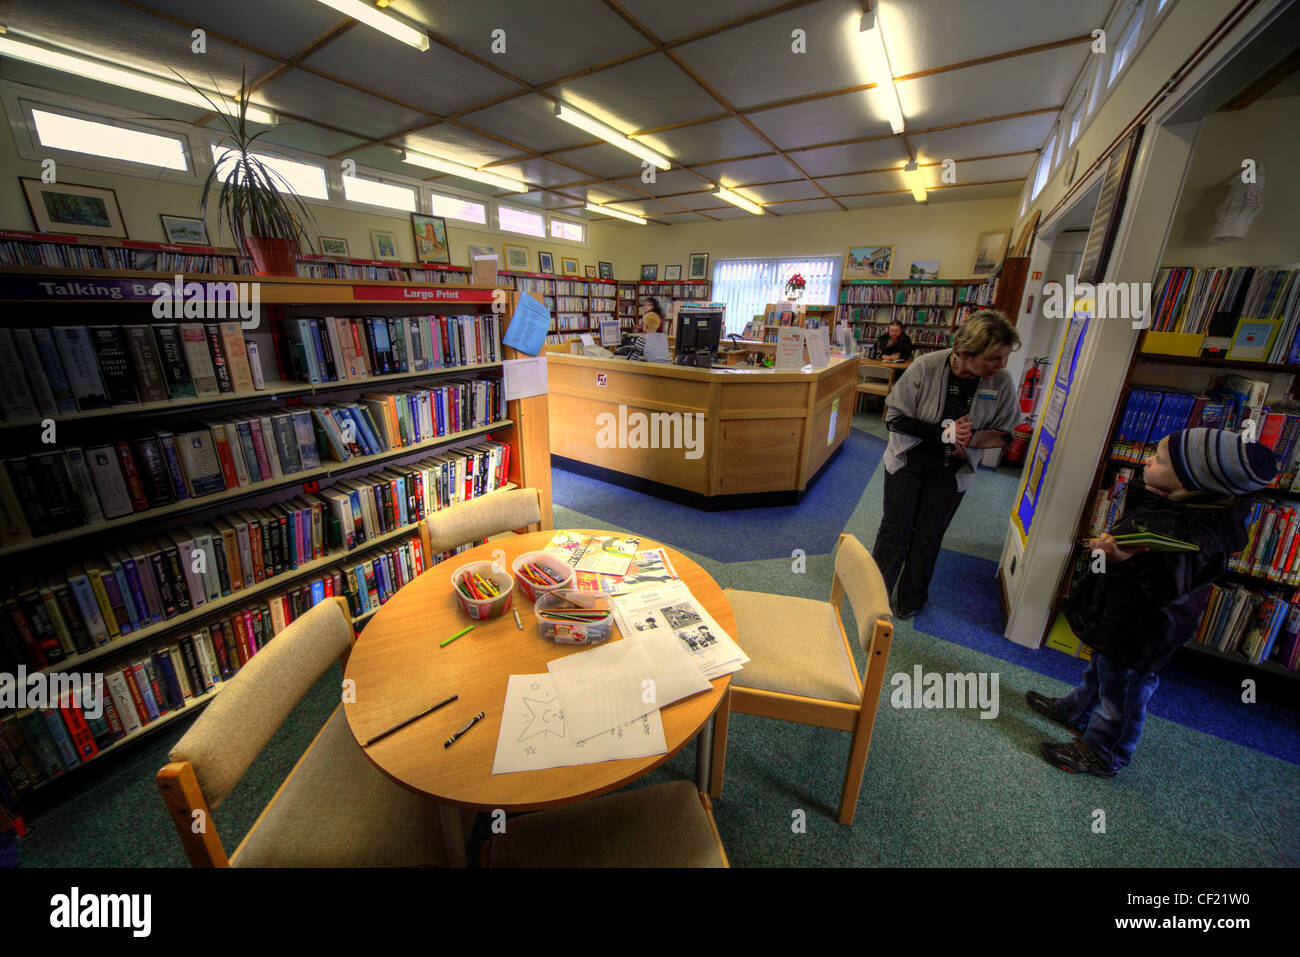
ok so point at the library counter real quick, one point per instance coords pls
(710, 438)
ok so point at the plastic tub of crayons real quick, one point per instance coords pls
(484, 589)
(575, 617)
(541, 572)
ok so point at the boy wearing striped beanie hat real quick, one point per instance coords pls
(1138, 611)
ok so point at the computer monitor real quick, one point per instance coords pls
(698, 331)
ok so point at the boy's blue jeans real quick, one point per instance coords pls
(1109, 709)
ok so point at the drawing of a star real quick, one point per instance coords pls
(542, 718)
(530, 750)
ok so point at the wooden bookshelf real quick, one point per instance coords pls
(966, 294)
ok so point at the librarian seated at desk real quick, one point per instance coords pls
(894, 345)
(926, 477)
(652, 314)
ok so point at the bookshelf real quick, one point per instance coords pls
(670, 296)
(805, 316)
(453, 436)
(628, 314)
(930, 310)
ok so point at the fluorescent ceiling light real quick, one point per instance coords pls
(128, 79)
(610, 135)
(916, 180)
(383, 22)
(881, 73)
(468, 172)
(616, 213)
(737, 200)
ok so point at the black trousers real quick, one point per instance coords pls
(920, 500)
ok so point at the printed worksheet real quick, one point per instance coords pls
(535, 734)
(671, 607)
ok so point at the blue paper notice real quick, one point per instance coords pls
(528, 325)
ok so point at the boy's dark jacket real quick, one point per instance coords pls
(1140, 611)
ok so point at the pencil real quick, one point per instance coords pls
(455, 636)
(398, 727)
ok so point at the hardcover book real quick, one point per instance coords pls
(114, 367)
(171, 354)
(78, 355)
(146, 365)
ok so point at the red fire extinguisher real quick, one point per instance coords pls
(1019, 444)
(1029, 387)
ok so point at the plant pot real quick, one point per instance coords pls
(271, 257)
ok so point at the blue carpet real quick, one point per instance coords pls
(813, 525)
(969, 615)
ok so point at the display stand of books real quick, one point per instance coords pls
(803, 315)
(1253, 618)
(180, 485)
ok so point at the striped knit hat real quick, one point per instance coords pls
(1216, 460)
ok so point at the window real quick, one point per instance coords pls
(458, 207)
(1044, 165)
(520, 221)
(1075, 125)
(374, 193)
(1127, 44)
(60, 132)
(563, 229)
(748, 285)
(304, 179)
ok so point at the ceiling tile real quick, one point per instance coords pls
(603, 192)
(704, 142)
(311, 139)
(671, 19)
(282, 28)
(847, 117)
(452, 142)
(802, 189)
(536, 171)
(673, 181)
(542, 40)
(310, 97)
(766, 169)
(865, 183)
(852, 158)
(436, 80)
(601, 160)
(992, 89)
(806, 206)
(727, 211)
(984, 139)
(549, 201)
(887, 199)
(769, 69)
(528, 120)
(923, 34)
(642, 94)
(703, 199)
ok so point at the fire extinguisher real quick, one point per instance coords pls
(1021, 435)
(1030, 383)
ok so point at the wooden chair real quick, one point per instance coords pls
(801, 668)
(480, 518)
(334, 809)
(669, 825)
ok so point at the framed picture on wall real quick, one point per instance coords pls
(649, 273)
(868, 262)
(516, 257)
(672, 273)
(606, 270)
(570, 266)
(184, 229)
(383, 243)
(546, 262)
(698, 267)
(924, 269)
(69, 208)
(989, 250)
(472, 252)
(590, 271)
(333, 246)
(430, 238)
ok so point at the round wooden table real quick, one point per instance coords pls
(399, 670)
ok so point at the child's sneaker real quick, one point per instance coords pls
(1076, 758)
(1047, 708)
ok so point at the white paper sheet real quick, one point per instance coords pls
(524, 377)
(819, 350)
(671, 609)
(789, 349)
(535, 733)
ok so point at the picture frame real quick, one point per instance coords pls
(570, 266)
(472, 250)
(989, 251)
(590, 271)
(1109, 209)
(334, 246)
(605, 270)
(1252, 340)
(697, 266)
(649, 273)
(546, 262)
(516, 257)
(430, 233)
(672, 274)
(74, 208)
(184, 230)
(924, 269)
(868, 262)
(383, 243)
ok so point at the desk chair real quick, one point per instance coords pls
(334, 809)
(804, 672)
(669, 825)
(480, 518)
(874, 385)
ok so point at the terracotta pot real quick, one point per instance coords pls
(271, 257)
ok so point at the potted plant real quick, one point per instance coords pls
(255, 203)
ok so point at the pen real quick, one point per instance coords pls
(456, 737)
(399, 727)
(455, 636)
(517, 621)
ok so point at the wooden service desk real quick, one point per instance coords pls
(763, 432)
(399, 670)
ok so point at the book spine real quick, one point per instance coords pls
(114, 368)
(217, 352)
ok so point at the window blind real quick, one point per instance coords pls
(748, 285)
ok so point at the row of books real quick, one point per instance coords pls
(883, 295)
(1151, 414)
(147, 582)
(675, 290)
(578, 322)
(571, 303)
(140, 687)
(600, 304)
(52, 492)
(47, 372)
(1272, 543)
(340, 349)
(1108, 502)
(569, 287)
(1254, 623)
(334, 269)
(910, 316)
(1211, 299)
(81, 256)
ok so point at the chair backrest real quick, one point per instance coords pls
(856, 573)
(234, 728)
(480, 517)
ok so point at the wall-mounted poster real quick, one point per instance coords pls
(384, 243)
(516, 257)
(924, 269)
(1110, 204)
(989, 250)
(868, 262)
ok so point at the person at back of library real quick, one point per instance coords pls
(894, 345)
(944, 410)
(652, 314)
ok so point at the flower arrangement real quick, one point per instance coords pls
(794, 286)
